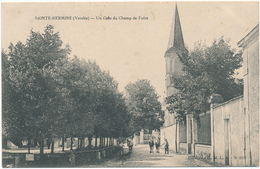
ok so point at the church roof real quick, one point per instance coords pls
(176, 38)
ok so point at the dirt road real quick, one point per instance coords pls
(141, 157)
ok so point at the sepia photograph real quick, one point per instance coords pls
(130, 84)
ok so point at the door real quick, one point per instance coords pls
(226, 130)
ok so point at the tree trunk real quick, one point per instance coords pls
(52, 147)
(104, 142)
(63, 142)
(176, 138)
(81, 141)
(78, 142)
(95, 141)
(100, 141)
(29, 145)
(42, 146)
(71, 143)
(90, 141)
(35, 141)
(107, 141)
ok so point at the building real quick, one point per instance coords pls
(235, 123)
(229, 133)
(250, 45)
(173, 132)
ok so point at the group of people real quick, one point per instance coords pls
(157, 145)
(124, 143)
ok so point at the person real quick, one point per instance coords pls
(121, 146)
(157, 145)
(151, 144)
(166, 147)
(130, 145)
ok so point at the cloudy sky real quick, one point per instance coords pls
(130, 49)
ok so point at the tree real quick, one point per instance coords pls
(207, 70)
(176, 106)
(48, 95)
(143, 104)
(32, 101)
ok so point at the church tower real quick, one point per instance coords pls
(173, 66)
(175, 49)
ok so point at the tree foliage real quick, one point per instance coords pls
(31, 97)
(47, 94)
(143, 104)
(207, 70)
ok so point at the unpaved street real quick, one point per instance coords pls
(141, 157)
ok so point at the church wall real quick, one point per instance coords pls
(177, 67)
(169, 60)
(169, 134)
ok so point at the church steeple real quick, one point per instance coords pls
(175, 50)
(176, 38)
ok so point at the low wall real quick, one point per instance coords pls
(66, 159)
(203, 151)
(169, 134)
(228, 137)
(183, 148)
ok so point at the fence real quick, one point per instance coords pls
(66, 159)
(204, 129)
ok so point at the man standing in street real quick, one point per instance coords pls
(166, 146)
(151, 144)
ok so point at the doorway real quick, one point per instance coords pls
(227, 141)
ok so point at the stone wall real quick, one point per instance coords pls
(169, 134)
(203, 151)
(183, 148)
(228, 135)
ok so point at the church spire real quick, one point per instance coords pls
(176, 38)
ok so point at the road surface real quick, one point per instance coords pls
(141, 157)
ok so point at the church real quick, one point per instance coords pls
(181, 136)
(228, 133)
(172, 131)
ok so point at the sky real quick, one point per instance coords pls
(130, 49)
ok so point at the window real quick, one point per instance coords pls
(171, 66)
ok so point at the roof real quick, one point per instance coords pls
(176, 37)
(249, 37)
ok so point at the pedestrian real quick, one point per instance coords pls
(121, 146)
(166, 146)
(151, 145)
(157, 145)
(130, 145)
